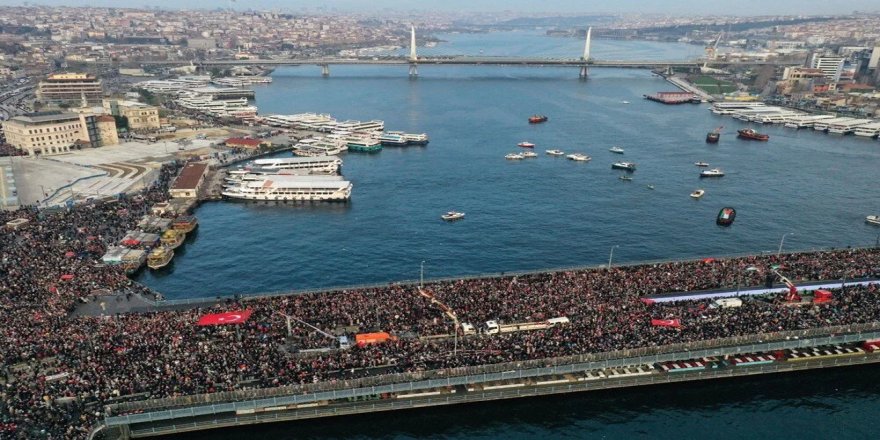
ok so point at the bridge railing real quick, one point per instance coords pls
(746, 342)
(415, 282)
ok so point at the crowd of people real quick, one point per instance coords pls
(60, 371)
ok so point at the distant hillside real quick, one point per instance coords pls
(584, 20)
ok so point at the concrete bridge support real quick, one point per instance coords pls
(585, 72)
(413, 70)
(325, 70)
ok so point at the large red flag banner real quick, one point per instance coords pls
(666, 323)
(236, 317)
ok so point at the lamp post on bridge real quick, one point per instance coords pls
(782, 241)
(611, 255)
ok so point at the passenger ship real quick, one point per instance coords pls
(292, 188)
(159, 258)
(363, 144)
(318, 164)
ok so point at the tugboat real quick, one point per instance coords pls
(537, 119)
(626, 166)
(713, 136)
(525, 145)
(726, 216)
(452, 216)
(159, 257)
(752, 135)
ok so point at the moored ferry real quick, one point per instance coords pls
(416, 138)
(393, 139)
(317, 164)
(363, 144)
(160, 257)
(173, 238)
(185, 223)
(292, 188)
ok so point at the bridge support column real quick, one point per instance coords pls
(325, 70)
(585, 72)
(413, 70)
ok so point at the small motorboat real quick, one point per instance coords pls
(714, 172)
(556, 152)
(624, 102)
(626, 166)
(873, 219)
(698, 193)
(525, 145)
(578, 157)
(625, 178)
(452, 216)
(701, 164)
(650, 186)
(616, 150)
(537, 119)
(514, 156)
(528, 154)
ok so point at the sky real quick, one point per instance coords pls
(703, 7)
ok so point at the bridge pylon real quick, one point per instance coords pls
(325, 70)
(413, 56)
(585, 71)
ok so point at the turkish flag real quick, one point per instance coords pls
(666, 323)
(237, 317)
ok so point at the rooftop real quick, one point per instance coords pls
(43, 117)
(190, 176)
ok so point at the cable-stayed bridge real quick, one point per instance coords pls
(584, 62)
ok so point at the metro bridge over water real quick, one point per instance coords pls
(413, 60)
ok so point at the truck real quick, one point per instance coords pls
(493, 327)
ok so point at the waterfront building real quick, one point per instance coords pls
(62, 87)
(830, 65)
(189, 182)
(141, 117)
(45, 133)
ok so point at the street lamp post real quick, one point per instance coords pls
(782, 241)
(611, 255)
(422, 274)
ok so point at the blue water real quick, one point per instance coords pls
(548, 212)
(537, 213)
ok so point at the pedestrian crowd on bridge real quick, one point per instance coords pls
(61, 371)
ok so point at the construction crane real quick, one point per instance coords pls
(711, 55)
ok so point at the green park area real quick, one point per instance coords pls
(713, 86)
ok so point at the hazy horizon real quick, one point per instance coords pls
(701, 7)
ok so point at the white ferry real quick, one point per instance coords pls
(416, 138)
(322, 164)
(394, 139)
(363, 144)
(847, 127)
(729, 108)
(868, 130)
(825, 124)
(291, 188)
(805, 121)
(319, 147)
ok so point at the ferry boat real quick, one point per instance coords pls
(626, 166)
(616, 150)
(292, 188)
(537, 119)
(160, 257)
(416, 138)
(173, 238)
(555, 152)
(452, 216)
(514, 156)
(578, 157)
(698, 193)
(393, 139)
(713, 136)
(316, 164)
(714, 172)
(701, 164)
(361, 144)
(748, 133)
(185, 223)
(525, 145)
(873, 219)
(528, 154)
